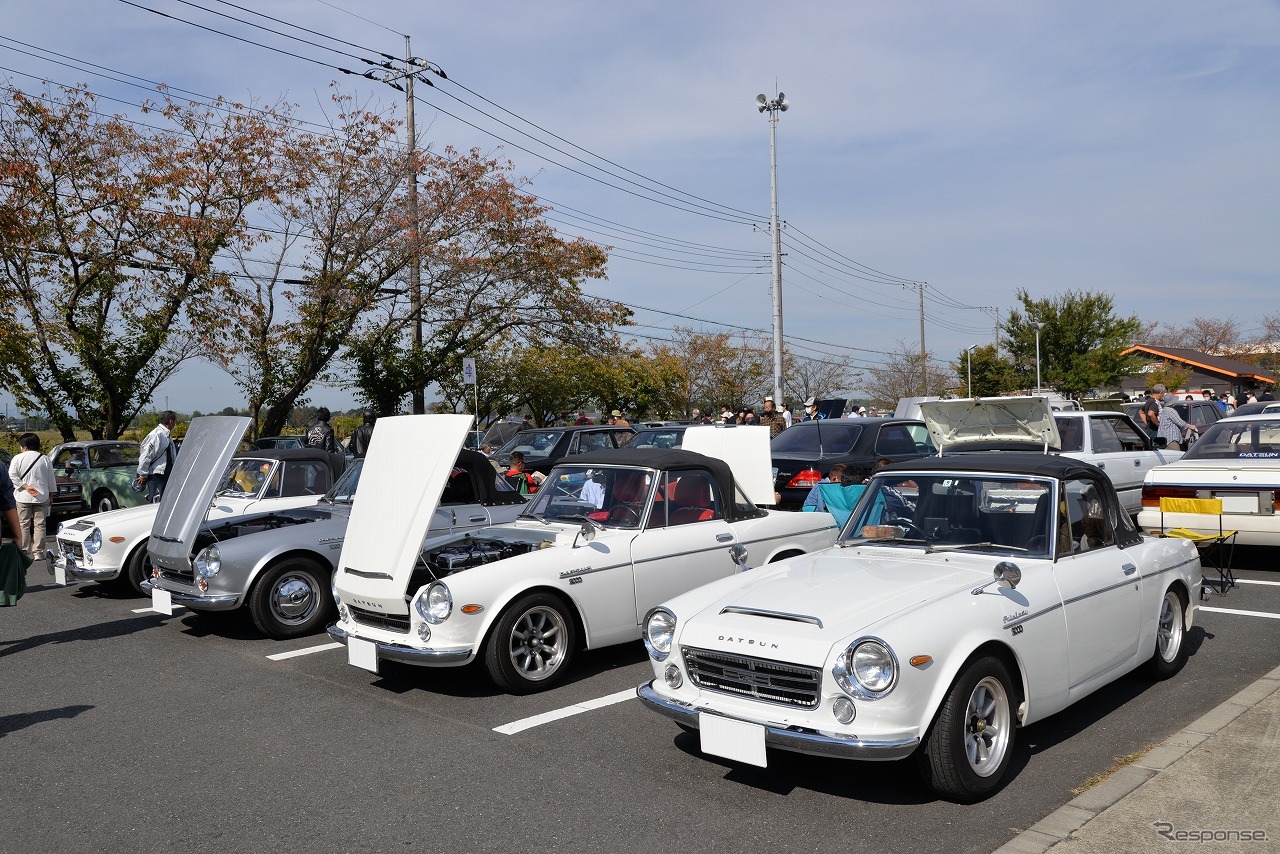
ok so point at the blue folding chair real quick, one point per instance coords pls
(840, 500)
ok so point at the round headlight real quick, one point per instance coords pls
(93, 542)
(435, 604)
(333, 588)
(659, 629)
(209, 562)
(866, 669)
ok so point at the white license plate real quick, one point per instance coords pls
(736, 740)
(362, 653)
(161, 601)
(1240, 503)
(60, 573)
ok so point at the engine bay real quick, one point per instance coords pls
(437, 563)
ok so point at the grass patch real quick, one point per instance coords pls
(1120, 762)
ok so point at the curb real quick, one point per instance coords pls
(1063, 822)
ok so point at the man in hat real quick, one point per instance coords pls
(811, 412)
(615, 417)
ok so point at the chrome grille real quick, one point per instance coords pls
(771, 681)
(187, 576)
(379, 620)
(72, 548)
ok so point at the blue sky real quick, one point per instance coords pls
(979, 147)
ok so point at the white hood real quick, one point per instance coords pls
(744, 449)
(956, 423)
(408, 464)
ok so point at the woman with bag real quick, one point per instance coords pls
(32, 476)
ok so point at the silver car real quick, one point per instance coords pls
(281, 564)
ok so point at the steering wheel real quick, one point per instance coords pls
(624, 514)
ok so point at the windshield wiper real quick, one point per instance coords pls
(538, 516)
(951, 547)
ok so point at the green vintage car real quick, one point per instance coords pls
(105, 468)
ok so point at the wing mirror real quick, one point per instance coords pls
(586, 533)
(739, 554)
(1008, 573)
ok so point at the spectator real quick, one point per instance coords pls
(1149, 414)
(527, 423)
(360, 437)
(726, 415)
(519, 478)
(615, 417)
(786, 414)
(811, 412)
(321, 433)
(749, 417)
(1266, 395)
(156, 456)
(33, 474)
(1174, 430)
(582, 420)
(9, 507)
(813, 501)
(772, 418)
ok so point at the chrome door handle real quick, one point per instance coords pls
(723, 538)
(478, 518)
(1129, 569)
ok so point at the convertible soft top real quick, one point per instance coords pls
(1003, 462)
(337, 463)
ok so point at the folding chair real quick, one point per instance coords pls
(840, 500)
(1216, 550)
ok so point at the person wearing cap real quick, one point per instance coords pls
(615, 417)
(811, 412)
(772, 418)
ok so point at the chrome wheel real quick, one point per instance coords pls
(538, 642)
(987, 726)
(1169, 628)
(294, 598)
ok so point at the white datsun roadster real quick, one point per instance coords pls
(604, 539)
(969, 594)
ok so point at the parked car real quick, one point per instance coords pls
(608, 536)
(113, 546)
(970, 594)
(66, 500)
(1115, 444)
(1200, 414)
(105, 470)
(1237, 459)
(475, 438)
(544, 447)
(804, 453)
(280, 564)
(658, 436)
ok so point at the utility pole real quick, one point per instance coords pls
(924, 358)
(777, 105)
(415, 262)
(994, 311)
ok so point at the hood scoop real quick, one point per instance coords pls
(771, 615)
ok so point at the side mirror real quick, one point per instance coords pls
(586, 533)
(739, 554)
(1160, 441)
(1008, 573)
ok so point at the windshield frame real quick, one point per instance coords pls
(576, 509)
(246, 464)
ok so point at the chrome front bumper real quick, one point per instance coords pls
(388, 651)
(82, 573)
(797, 741)
(196, 602)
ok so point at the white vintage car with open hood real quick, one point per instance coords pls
(280, 564)
(607, 537)
(969, 594)
(112, 546)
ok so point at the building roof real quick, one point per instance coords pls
(1219, 365)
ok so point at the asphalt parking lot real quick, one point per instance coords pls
(124, 729)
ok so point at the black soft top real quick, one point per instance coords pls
(1015, 462)
(665, 459)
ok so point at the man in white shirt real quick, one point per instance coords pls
(155, 458)
(33, 481)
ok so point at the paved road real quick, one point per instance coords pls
(136, 731)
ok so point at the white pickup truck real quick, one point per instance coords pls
(1115, 444)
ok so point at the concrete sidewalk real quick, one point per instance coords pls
(1210, 787)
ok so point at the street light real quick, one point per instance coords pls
(777, 105)
(1037, 327)
(968, 352)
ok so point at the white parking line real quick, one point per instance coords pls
(281, 656)
(154, 611)
(566, 712)
(1251, 581)
(1244, 613)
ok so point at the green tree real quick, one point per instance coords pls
(992, 375)
(1081, 341)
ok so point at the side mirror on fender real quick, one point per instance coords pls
(739, 554)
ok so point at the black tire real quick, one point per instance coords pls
(136, 569)
(291, 599)
(531, 645)
(1171, 637)
(104, 501)
(967, 748)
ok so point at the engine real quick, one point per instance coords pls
(472, 552)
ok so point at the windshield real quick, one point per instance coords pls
(823, 438)
(658, 437)
(613, 497)
(532, 443)
(252, 478)
(1239, 440)
(984, 512)
(344, 491)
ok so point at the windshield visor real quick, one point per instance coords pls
(961, 512)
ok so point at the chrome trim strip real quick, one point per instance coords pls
(797, 741)
(1049, 610)
(777, 615)
(1099, 591)
(407, 654)
(383, 576)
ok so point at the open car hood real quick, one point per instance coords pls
(745, 449)
(953, 424)
(197, 470)
(409, 462)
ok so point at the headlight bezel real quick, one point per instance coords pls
(656, 650)
(434, 611)
(92, 542)
(208, 562)
(847, 672)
